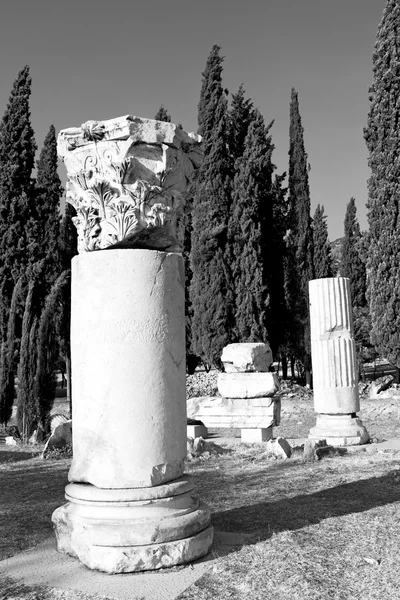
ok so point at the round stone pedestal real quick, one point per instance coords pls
(127, 530)
(339, 430)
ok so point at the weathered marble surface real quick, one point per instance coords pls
(247, 385)
(214, 411)
(246, 357)
(334, 363)
(132, 534)
(128, 365)
(334, 359)
(127, 179)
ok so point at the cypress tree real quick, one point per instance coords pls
(163, 115)
(46, 215)
(26, 402)
(251, 225)
(281, 327)
(299, 240)
(382, 136)
(211, 96)
(322, 249)
(17, 154)
(51, 333)
(211, 286)
(7, 357)
(241, 115)
(68, 249)
(351, 264)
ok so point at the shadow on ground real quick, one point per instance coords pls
(15, 456)
(265, 518)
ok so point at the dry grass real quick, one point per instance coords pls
(314, 531)
(326, 530)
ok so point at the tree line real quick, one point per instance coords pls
(36, 247)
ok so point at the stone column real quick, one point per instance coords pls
(130, 506)
(334, 364)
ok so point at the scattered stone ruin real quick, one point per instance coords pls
(247, 391)
(130, 507)
(334, 361)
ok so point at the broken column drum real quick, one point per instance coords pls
(334, 364)
(130, 506)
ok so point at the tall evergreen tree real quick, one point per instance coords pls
(211, 285)
(26, 402)
(241, 115)
(163, 115)
(46, 214)
(382, 136)
(17, 155)
(279, 330)
(300, 241)
(322, 249)
(351, 264)
(211, 97)
(68, 249)
(250, 226)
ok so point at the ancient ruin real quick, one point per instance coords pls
(247, 394)
(334, 364)
(130, 506)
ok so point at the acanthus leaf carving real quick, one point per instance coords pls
(127, 194)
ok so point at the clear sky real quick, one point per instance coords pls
(92, 59)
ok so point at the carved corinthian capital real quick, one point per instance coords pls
(127, 180)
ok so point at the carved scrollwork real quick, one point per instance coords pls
(136, 200)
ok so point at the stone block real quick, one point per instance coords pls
(10, 441)
(380, 385)
(339, 430)
(242, 413)
(126, 530)
(280, 447)
(60, 438)
(247, 357)
(310, 449)
(195, 431)
(252, 436)
(247, 385)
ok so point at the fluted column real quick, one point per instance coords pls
(334, 363)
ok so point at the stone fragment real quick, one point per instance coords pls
(254, 436)
(56, 420)
(380, 385)
(10, 441)
(247, 385)
(127, 181)
(246, 357)
(280, 447)
(242, 413)
(340, 430)
(60, 438)
(196, 431)
(310, 449)
(33, 439)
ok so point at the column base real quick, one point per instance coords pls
(339, 430)
(128, 530)
(251, 436)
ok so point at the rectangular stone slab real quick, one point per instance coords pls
(215, 411)
(247, 385)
